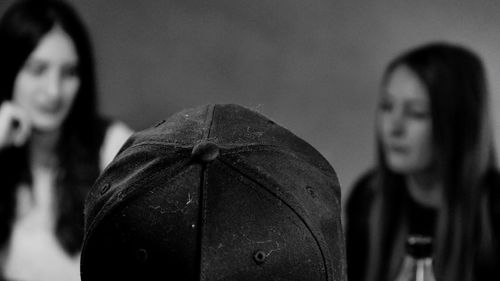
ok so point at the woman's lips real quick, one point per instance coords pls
(398, 148)
(52, 108)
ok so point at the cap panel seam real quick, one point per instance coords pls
(253, 177)
(160, 143)
(202, 219)
(209, 121)
(120, 197)
(272, 148)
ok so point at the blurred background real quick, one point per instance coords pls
(313, 66)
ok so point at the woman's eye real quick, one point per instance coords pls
(418, 113)
(385, 106)
(35, 69)
(70, 71)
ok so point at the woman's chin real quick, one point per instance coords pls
(401, 166)
(46, 126)
(405, 168)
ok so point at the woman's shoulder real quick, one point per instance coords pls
(115, 136)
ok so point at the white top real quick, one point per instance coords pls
(33, 252)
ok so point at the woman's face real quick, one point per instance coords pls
(404, 123)
(47, 84)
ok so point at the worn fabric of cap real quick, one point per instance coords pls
(218, 192)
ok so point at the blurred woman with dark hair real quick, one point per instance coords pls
(53, 143)
(436, 174)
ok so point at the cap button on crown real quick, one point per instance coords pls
(205, 152)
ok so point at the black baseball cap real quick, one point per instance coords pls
(218, 192)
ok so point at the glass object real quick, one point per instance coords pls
(417, 264)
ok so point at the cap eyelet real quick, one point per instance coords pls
(310, 190)
(259, 257)
(105, 188)
(142, 255)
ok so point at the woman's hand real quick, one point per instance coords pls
(15, 126)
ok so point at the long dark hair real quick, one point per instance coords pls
(454, 78)
(22, 27)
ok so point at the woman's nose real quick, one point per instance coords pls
(53, 86)
(396, 124)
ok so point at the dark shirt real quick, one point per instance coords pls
(422, 221)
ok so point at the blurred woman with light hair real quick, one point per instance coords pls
(436, 174)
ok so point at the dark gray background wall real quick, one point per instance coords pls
(313, 65)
